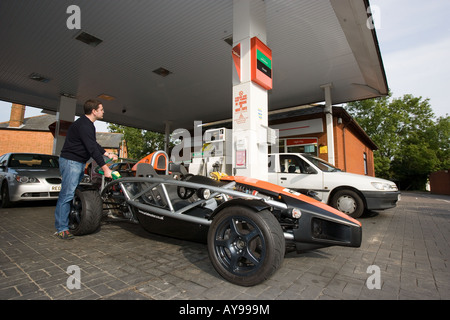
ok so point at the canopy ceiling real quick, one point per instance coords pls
(314, 42)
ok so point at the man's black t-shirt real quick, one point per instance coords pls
(81, 144)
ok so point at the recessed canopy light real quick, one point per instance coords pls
(68, 95)
(162, 72)
(106, 97)
(88, 39)
(38, 77)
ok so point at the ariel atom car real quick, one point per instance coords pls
(247, 224)
(28, 177)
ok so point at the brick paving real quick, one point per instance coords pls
(410, 245)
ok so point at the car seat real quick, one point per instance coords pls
(158, 160)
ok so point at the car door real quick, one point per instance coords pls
(297, 174)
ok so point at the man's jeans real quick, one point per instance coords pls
(72, 172)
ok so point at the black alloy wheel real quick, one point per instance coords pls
(245, 247)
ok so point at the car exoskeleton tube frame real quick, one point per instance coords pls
(247, 224)
(319, 226)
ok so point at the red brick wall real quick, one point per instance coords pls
(25, 141)
(350, 151)
(30, 141)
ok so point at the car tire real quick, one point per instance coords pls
(86, 212)
(5, 200)
(244, 246)
(348, 202)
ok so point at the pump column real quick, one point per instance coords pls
(329, 121)
(64, 115)
(168, 125)
(250, 99)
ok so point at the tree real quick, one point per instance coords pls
(140, 143)
(439, 140)
(411, 143)
(380, 123)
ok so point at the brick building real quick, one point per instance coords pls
(21, 134)
(303, 130)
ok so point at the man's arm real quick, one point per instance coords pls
(87, 136)
(106, 170)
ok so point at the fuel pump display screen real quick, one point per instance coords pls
(261, 66)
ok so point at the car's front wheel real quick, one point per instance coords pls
(4, 193)
(349, 202)
(86, 212)
(245, 247)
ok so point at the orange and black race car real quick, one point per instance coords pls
(247, 224)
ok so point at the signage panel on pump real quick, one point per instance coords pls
(261, 65)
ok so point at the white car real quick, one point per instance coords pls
(347, 192)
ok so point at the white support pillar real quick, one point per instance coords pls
(66, 112)
(168, 125)
(250, 101)
(329, 122)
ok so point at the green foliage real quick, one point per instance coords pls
(412, 142)
(140, 143)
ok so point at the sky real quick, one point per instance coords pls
(414, 39)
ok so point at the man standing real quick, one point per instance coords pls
(79, 147)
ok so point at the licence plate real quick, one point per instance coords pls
(55, 188)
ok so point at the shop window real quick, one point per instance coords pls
(309, 149)
(297, 145)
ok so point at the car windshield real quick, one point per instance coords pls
(22, 160)
(322, 165)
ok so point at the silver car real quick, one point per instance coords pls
(28, 176)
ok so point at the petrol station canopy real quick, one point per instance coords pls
(158, 61)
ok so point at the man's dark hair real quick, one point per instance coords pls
(90, 105)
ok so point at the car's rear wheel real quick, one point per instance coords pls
(86, 212)
(245, 247)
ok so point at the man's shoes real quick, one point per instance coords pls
(65, 235)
